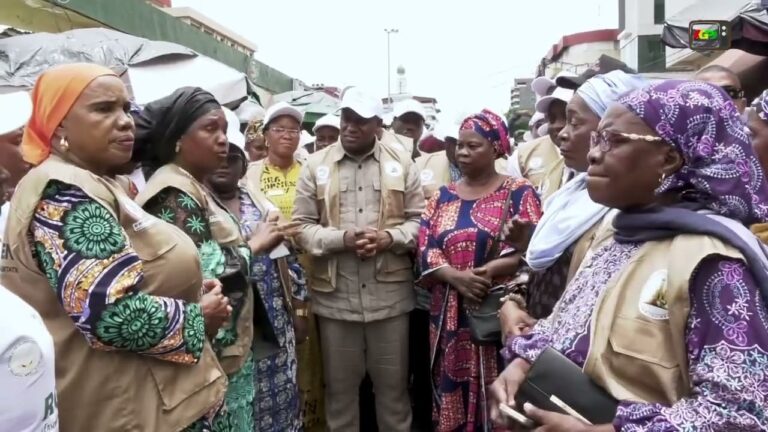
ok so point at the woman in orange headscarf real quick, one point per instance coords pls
(118, 289)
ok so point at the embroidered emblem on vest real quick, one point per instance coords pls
(393, 169)
(427, 177)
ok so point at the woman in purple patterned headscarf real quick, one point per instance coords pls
(667, 314)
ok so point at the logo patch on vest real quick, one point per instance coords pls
(143, 219)
(427, 177)
(393, 169)
(653, 297)
(322, 174)
(535, 163)
(25, 358)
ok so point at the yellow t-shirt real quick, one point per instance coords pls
(280, 187)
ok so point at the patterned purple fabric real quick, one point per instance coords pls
(726, 340)
(491, 127)
(703, 124)
(761, 105)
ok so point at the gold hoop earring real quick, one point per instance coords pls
(178, 146)
(64, 144)
(663, 177)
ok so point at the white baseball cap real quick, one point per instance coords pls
(233, 129)
(543, 84)
(327, 120)
(409, 106)
(282, 109)
(565, 95)
(365, 105)
(249, 110)
(15, 110)
(536, 117)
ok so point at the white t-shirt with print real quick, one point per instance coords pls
(27, 374)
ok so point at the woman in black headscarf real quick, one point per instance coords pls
(183, 140)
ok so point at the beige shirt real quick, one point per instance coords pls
(361, 293)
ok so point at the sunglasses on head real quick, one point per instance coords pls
(733, 92)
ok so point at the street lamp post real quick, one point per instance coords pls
(389, 66)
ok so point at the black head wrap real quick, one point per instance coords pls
(162, 123)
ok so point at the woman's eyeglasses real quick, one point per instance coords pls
(605, 140)
(733, 92)
(283, 131)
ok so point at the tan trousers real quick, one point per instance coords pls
(352, 348)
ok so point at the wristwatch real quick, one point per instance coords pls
(302, 313)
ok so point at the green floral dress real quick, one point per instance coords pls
(90, 264)
(178, 208)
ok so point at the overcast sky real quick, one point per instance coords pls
(464, 53)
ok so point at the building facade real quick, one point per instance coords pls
(522, 97)
(641, 23)
(210, 27)
(576, 52)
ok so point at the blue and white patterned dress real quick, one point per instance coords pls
(276, 405)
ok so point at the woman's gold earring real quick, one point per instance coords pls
(64, 144)
(178, 146)
(663, 177)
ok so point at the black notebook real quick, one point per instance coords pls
(552, 374)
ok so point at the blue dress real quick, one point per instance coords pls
(276, 404)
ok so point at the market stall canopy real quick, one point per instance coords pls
(313, 103)
(154, 68)
(749, 23)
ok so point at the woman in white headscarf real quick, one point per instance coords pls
(563, 236)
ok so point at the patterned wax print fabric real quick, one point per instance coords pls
(726, 338)
(280, 189)
(276, 405)
(280, 186)
(700, 120)
(458, 233)
(178, 208)
(90, 264)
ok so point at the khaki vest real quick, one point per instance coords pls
(542, 165)
(324, 168)
(116, 390)
(225, 232)
(397, 142)
(638, 351)
(434, 171)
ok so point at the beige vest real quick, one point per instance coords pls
(325, 173)
(226, 233)
(434, 171)
(397, 142)
(116, 390)
(542, 165)
(638, 351)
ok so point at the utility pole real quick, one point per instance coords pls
(389, 66)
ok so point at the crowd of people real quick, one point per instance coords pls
(171, 267)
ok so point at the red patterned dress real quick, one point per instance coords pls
(458, 233)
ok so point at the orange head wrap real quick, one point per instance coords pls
(56, 90)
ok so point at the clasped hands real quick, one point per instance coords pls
(367, 242)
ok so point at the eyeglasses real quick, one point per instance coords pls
(283, 131)
(606, 140)
(733, 92)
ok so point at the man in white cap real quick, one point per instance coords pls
(539, 160)
(405, 133)
(359, 203)
(27, 371)
(326, 130)
(409, 120)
